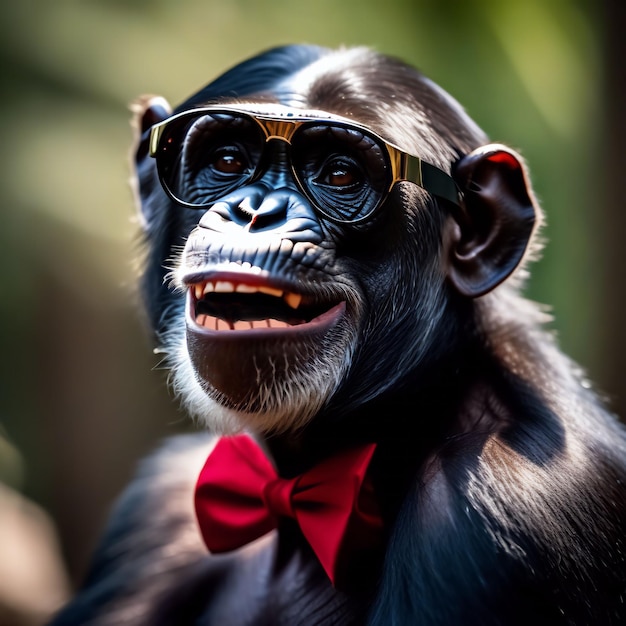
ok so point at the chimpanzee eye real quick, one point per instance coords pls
(340, 173)
(229, 160)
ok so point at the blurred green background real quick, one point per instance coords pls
(79, 402)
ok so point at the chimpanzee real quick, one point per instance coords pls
(333, 265)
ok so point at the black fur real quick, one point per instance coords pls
(500, 475)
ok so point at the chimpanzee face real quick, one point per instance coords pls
(315, 252)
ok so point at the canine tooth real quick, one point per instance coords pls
(198, 291)
(208, 288)
(270, 291)
(293, 299)
(224, 287)
(241, 288)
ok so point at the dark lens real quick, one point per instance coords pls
(343, 170)
(206, 156)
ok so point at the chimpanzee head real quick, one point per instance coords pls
(318, 225)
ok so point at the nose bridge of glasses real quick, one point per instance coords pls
(282, 130)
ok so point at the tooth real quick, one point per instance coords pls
(222, 324)
(270, 291)
(241, 288)
(241, 325)
(208, 288)
(200, 320)
(198, 291)
(272, 323)
(224, 287)
(259, 323)
(293, 299)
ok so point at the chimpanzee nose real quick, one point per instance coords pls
(259, 208)
(264, 210)
(252, 206)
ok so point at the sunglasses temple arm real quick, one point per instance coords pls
(155, 136)
(440, 184)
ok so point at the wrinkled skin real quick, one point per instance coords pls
(499, 474)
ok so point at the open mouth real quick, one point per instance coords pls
(235, 305)
(244, 331)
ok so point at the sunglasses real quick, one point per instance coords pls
(343, 168)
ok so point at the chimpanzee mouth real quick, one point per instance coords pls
(236, 305)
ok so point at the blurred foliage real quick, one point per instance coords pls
(77, 395)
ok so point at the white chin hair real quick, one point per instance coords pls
(290, 404)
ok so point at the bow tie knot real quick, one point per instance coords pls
(239, 498)
(276, 496)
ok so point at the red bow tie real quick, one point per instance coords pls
(239, 497)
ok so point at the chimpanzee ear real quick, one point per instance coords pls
(147, 111)
(491, 231)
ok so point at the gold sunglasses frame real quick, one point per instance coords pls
(282, 125)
